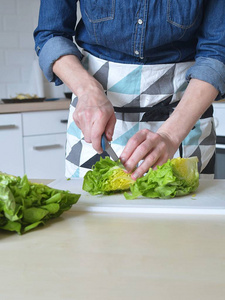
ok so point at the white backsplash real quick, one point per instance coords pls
(18, 19)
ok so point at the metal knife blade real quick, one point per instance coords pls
(106, 146)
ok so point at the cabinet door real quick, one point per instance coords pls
(219, 113)
(45, 156)
(11, 144)
(44, 122)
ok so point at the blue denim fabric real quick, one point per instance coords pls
(136, 32)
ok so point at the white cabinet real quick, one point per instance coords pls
(219, 117)
(44, 122)
(33, 143)
(44, 143)
(45, 156)
(11, 144)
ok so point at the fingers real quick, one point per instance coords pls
(99, 128)
(109, 129)
(148, 146)
(148, 163)
(131, 147)
(138, 147)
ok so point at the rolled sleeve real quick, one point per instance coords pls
(210, 51)
(62, 46)
(210, 70)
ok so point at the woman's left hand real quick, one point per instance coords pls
(153, 148)
(156, 148)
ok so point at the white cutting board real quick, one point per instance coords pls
(208, 199)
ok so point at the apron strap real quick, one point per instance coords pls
(158, 112)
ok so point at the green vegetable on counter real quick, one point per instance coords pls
(177, 177)
(106, 177)
(25, 205)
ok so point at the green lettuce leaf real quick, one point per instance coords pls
(25, 205)
(106, 177)
(177, 177)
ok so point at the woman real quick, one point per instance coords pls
(147, 76)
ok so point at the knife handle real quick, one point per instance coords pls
(103, 141)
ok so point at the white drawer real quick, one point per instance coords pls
(45, 156)
(11, 144)
(45, 122)
(219, 117)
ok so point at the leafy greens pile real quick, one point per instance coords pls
(25, 205)
(177, 177)
(106, 177)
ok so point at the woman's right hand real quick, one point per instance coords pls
(94, 114)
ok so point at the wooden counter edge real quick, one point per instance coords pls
(36, 106)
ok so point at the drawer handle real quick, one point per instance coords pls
(64, 121)
(9, 126)
(47, 147)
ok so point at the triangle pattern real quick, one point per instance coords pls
(89, 163)
(193, 136)
(130, 84)
(162, 85)
(123, 139)
(197, 153)
(74, 155)
(210, 139)
(183, 87)
(102, 75)
(74, 130)
(74, 102)
(134, 103)
(85, 62)
(209, 169)
(76, 174)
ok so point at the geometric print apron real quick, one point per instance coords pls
(143, 96)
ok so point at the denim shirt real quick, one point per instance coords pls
(136, 32)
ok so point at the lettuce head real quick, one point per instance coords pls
(107, 177)
(25, 205)
(177, 177)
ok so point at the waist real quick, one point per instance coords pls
(172, 53)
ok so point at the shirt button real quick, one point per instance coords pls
(136, 52)
(140, 21)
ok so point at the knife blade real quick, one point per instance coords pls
(106, 146)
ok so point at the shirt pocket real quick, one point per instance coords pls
(99, 10)
(183, 14)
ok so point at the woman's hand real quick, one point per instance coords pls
(153, 148)
(156, 148)
(94, 115)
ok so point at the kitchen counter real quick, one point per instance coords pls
(35, 106)
(103, 255)
(42, 106)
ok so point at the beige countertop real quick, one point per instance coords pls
(40, 106)
(35, 106)
(111, 256)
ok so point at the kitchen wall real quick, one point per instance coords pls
(18, 66)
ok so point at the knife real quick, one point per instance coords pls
(106, 146)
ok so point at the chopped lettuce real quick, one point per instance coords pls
(25, 205)
(106, 177)
(177, 177)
